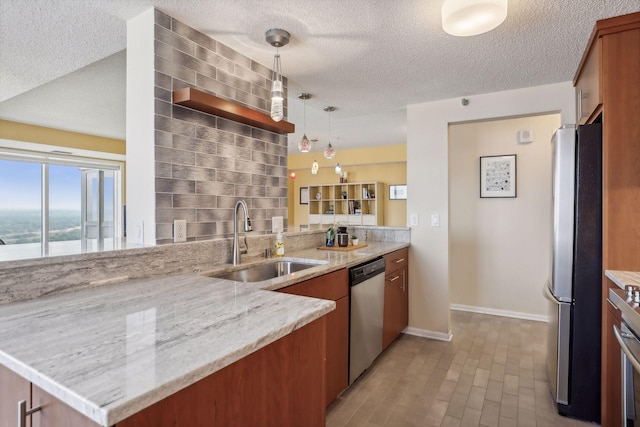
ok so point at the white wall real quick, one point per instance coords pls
(141, 197)
(499, 248)
(427, 178)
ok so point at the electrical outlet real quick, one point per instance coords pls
(435, 220)
(413, 220)
(179, 230)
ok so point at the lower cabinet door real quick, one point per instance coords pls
(396, 306)
(337, 349)
(55, 413)
(13, 389)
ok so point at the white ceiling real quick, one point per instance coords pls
(369, 58)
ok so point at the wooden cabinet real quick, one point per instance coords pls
(333, 286)
(396, 296)
(357, 203)
(611, 362)
(281, 384)
(53, 412)
(13, 389)
(614, 51)
(588, 84)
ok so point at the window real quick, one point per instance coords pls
(57, 205)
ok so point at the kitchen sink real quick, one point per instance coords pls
(258, 273)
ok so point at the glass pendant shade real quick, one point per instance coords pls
(277, 92)
(304, 146)
(338, 169)
(329, 152)
(277, 38)
(314, 168)
(472, 17)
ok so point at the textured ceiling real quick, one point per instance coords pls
(368, 58)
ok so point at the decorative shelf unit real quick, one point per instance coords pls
(359, 203)
(211, 104)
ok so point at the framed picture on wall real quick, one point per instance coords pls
(498, 176)
(398, 192)
(304, 195)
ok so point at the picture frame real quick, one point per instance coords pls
(304, 195)
(498, 176)
(398, 192)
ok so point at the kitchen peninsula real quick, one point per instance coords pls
(116, 350)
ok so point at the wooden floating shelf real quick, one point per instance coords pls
(211, 104)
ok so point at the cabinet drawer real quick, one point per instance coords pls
(588, 84)
(332, 286)
(396, 260)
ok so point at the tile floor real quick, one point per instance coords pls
(492, 373)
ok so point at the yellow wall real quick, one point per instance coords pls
(387, 164)
(42, 135)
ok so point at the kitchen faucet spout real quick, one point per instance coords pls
(247, 227)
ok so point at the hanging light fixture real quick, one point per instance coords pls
(314, 168)
(472, 17)
(338, 169)
(292, 175)
(277, 38)
(304, 145)
(329, 152)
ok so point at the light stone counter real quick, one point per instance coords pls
(622, 278)
(111, 351)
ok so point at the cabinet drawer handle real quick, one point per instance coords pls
(615, 307)
(23, 413)
(394, 279)
(399, 260)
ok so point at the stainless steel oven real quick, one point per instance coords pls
(630, 346)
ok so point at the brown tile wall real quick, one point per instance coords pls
(204, 163)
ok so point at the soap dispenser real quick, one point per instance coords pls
(279, 246)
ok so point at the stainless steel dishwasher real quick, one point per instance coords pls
(366, 284)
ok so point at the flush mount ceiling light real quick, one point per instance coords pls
(277, 38)
(330, 152)
(304, 145)
(314, 168)
(472, 17)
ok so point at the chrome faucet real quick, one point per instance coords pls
(247, 228)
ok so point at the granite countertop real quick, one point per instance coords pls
(111, 351)
(622, 278)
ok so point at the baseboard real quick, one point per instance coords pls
(497, 312)
(440, 336)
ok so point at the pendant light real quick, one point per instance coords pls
(314, 168)
(304, 145)
(338, 169)
(329, 152)
(277, 38)
(472, 17)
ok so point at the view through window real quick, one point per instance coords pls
(55, 205)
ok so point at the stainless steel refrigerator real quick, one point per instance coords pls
(575, 282)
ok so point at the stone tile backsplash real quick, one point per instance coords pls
(204, 163)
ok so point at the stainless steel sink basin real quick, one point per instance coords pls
(258, 273)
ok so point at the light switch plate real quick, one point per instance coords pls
(413, 220)
(435, 220)
(277, 224)
(179, 230)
